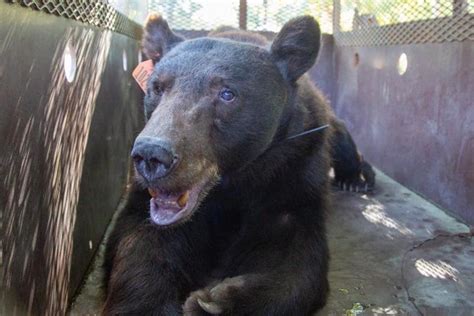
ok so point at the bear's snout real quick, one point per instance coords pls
(154, 158)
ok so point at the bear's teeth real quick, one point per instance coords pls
(183, 199)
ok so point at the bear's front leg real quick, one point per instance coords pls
(280, 269)
(145, 277)
(258, 295)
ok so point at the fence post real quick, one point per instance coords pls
(336, 16)
(460, 7)
(243, 15)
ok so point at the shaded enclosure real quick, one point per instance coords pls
(400, 73)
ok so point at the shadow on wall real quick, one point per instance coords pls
(46, 154)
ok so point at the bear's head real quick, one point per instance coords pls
(213, 106)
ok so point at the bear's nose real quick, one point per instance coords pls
(153, 157)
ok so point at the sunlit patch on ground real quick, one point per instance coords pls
(436, 269)
(390, 310)
(375, 213)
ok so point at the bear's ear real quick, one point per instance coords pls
(296, 47)
(158, 39)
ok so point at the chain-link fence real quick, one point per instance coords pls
(93, 12)
(356, 23)
(259, 15)
(270, 15)
(362, 14)
(388, 22)
(197, 14)
(360, 22)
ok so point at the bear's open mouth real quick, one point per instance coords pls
(169, 208)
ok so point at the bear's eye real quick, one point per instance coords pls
(227, 95)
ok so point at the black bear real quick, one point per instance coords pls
(351, 171)
(227, 216)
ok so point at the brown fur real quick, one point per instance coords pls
(254, 243)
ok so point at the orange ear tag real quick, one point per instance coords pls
(142, 72)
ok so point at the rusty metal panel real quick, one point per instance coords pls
(65, 148)
(417, 127)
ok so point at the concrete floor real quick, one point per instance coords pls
(392, 253)
(395, 253)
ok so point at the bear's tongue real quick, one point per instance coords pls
(165, 207)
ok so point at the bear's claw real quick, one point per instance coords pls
(350, 186)
(215, 299)
(211, 308)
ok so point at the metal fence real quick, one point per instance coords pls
(197, 14)
(389, 22)
(353, 23)
(93, 12)
(358, 23)
(268, 15)
(256, 15)
(259, 15)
